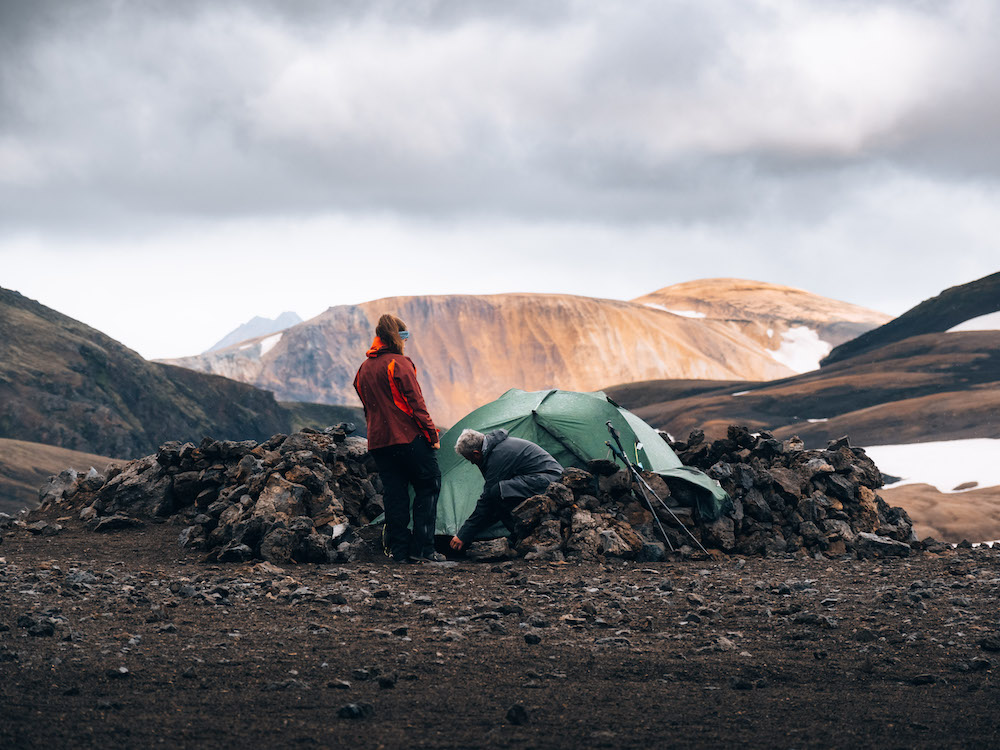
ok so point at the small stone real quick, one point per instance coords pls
(990, 643)
(119, 673)
(924, 679)
(37, 626)
(356, 711)
(291, 684)
(864, 635)
(651, 552)
(234, 552)
(43, 528)
(532, 639)
(387, 681)
(117, 521)
(518, 715)
(489, 550)
(872, 545)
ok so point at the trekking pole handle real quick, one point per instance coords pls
(615, 435)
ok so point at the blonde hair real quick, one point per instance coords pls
(387, 330)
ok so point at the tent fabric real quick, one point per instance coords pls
(572, 427)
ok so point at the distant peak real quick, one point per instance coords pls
(256, 327)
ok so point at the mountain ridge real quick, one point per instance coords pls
(938, 314)
(470, 349)
(65, 384)
(256, 327)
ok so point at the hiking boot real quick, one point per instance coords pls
(402, 560)
(431, 557)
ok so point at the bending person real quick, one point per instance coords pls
(513, 469)
(402, 438)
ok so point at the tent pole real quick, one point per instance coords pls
(620, 452)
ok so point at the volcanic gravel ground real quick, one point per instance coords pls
(125, 640)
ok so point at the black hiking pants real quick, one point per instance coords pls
(492, 508)
(401, 466)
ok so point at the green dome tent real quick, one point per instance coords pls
(572, 427)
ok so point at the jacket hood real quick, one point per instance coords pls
(493, 439)
(376, 348)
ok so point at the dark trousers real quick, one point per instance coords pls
(488, 512)
(401, 466)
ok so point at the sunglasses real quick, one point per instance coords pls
(404, 335)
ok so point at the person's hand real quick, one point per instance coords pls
(437, 445)
(456, 543)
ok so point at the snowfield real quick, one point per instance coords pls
(945, 464)
(267, 344)
(682, 313)
(990, 322)
(801, 349)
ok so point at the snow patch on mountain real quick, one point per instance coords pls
(257, 327)
(944, 464)
(268, 344)
(801, 349)
(990, 322)
(682, 313)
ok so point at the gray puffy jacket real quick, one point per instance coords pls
(520, 467)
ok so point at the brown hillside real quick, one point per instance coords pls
(934, 387)
(24, 467)
(936, 315)
(65, 383)
(949, 516)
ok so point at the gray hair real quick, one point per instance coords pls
(468, 443)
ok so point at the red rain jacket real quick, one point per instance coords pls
(394, 405)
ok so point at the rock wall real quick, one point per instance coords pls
(293, 497)
(785, 499)
(305, 497)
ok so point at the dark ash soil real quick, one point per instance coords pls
(783, 653)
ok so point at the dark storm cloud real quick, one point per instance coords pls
(111, 111)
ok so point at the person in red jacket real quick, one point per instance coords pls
(402, 438)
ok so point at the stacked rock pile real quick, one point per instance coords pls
(294, 497)
(304, 497)
(785, 499)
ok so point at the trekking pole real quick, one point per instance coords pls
(643, 493)
(620, 452)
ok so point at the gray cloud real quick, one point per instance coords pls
(649, 112)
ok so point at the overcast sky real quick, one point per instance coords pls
(171, 168)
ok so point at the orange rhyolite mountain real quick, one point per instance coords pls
(469, 350)
(766, 312)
